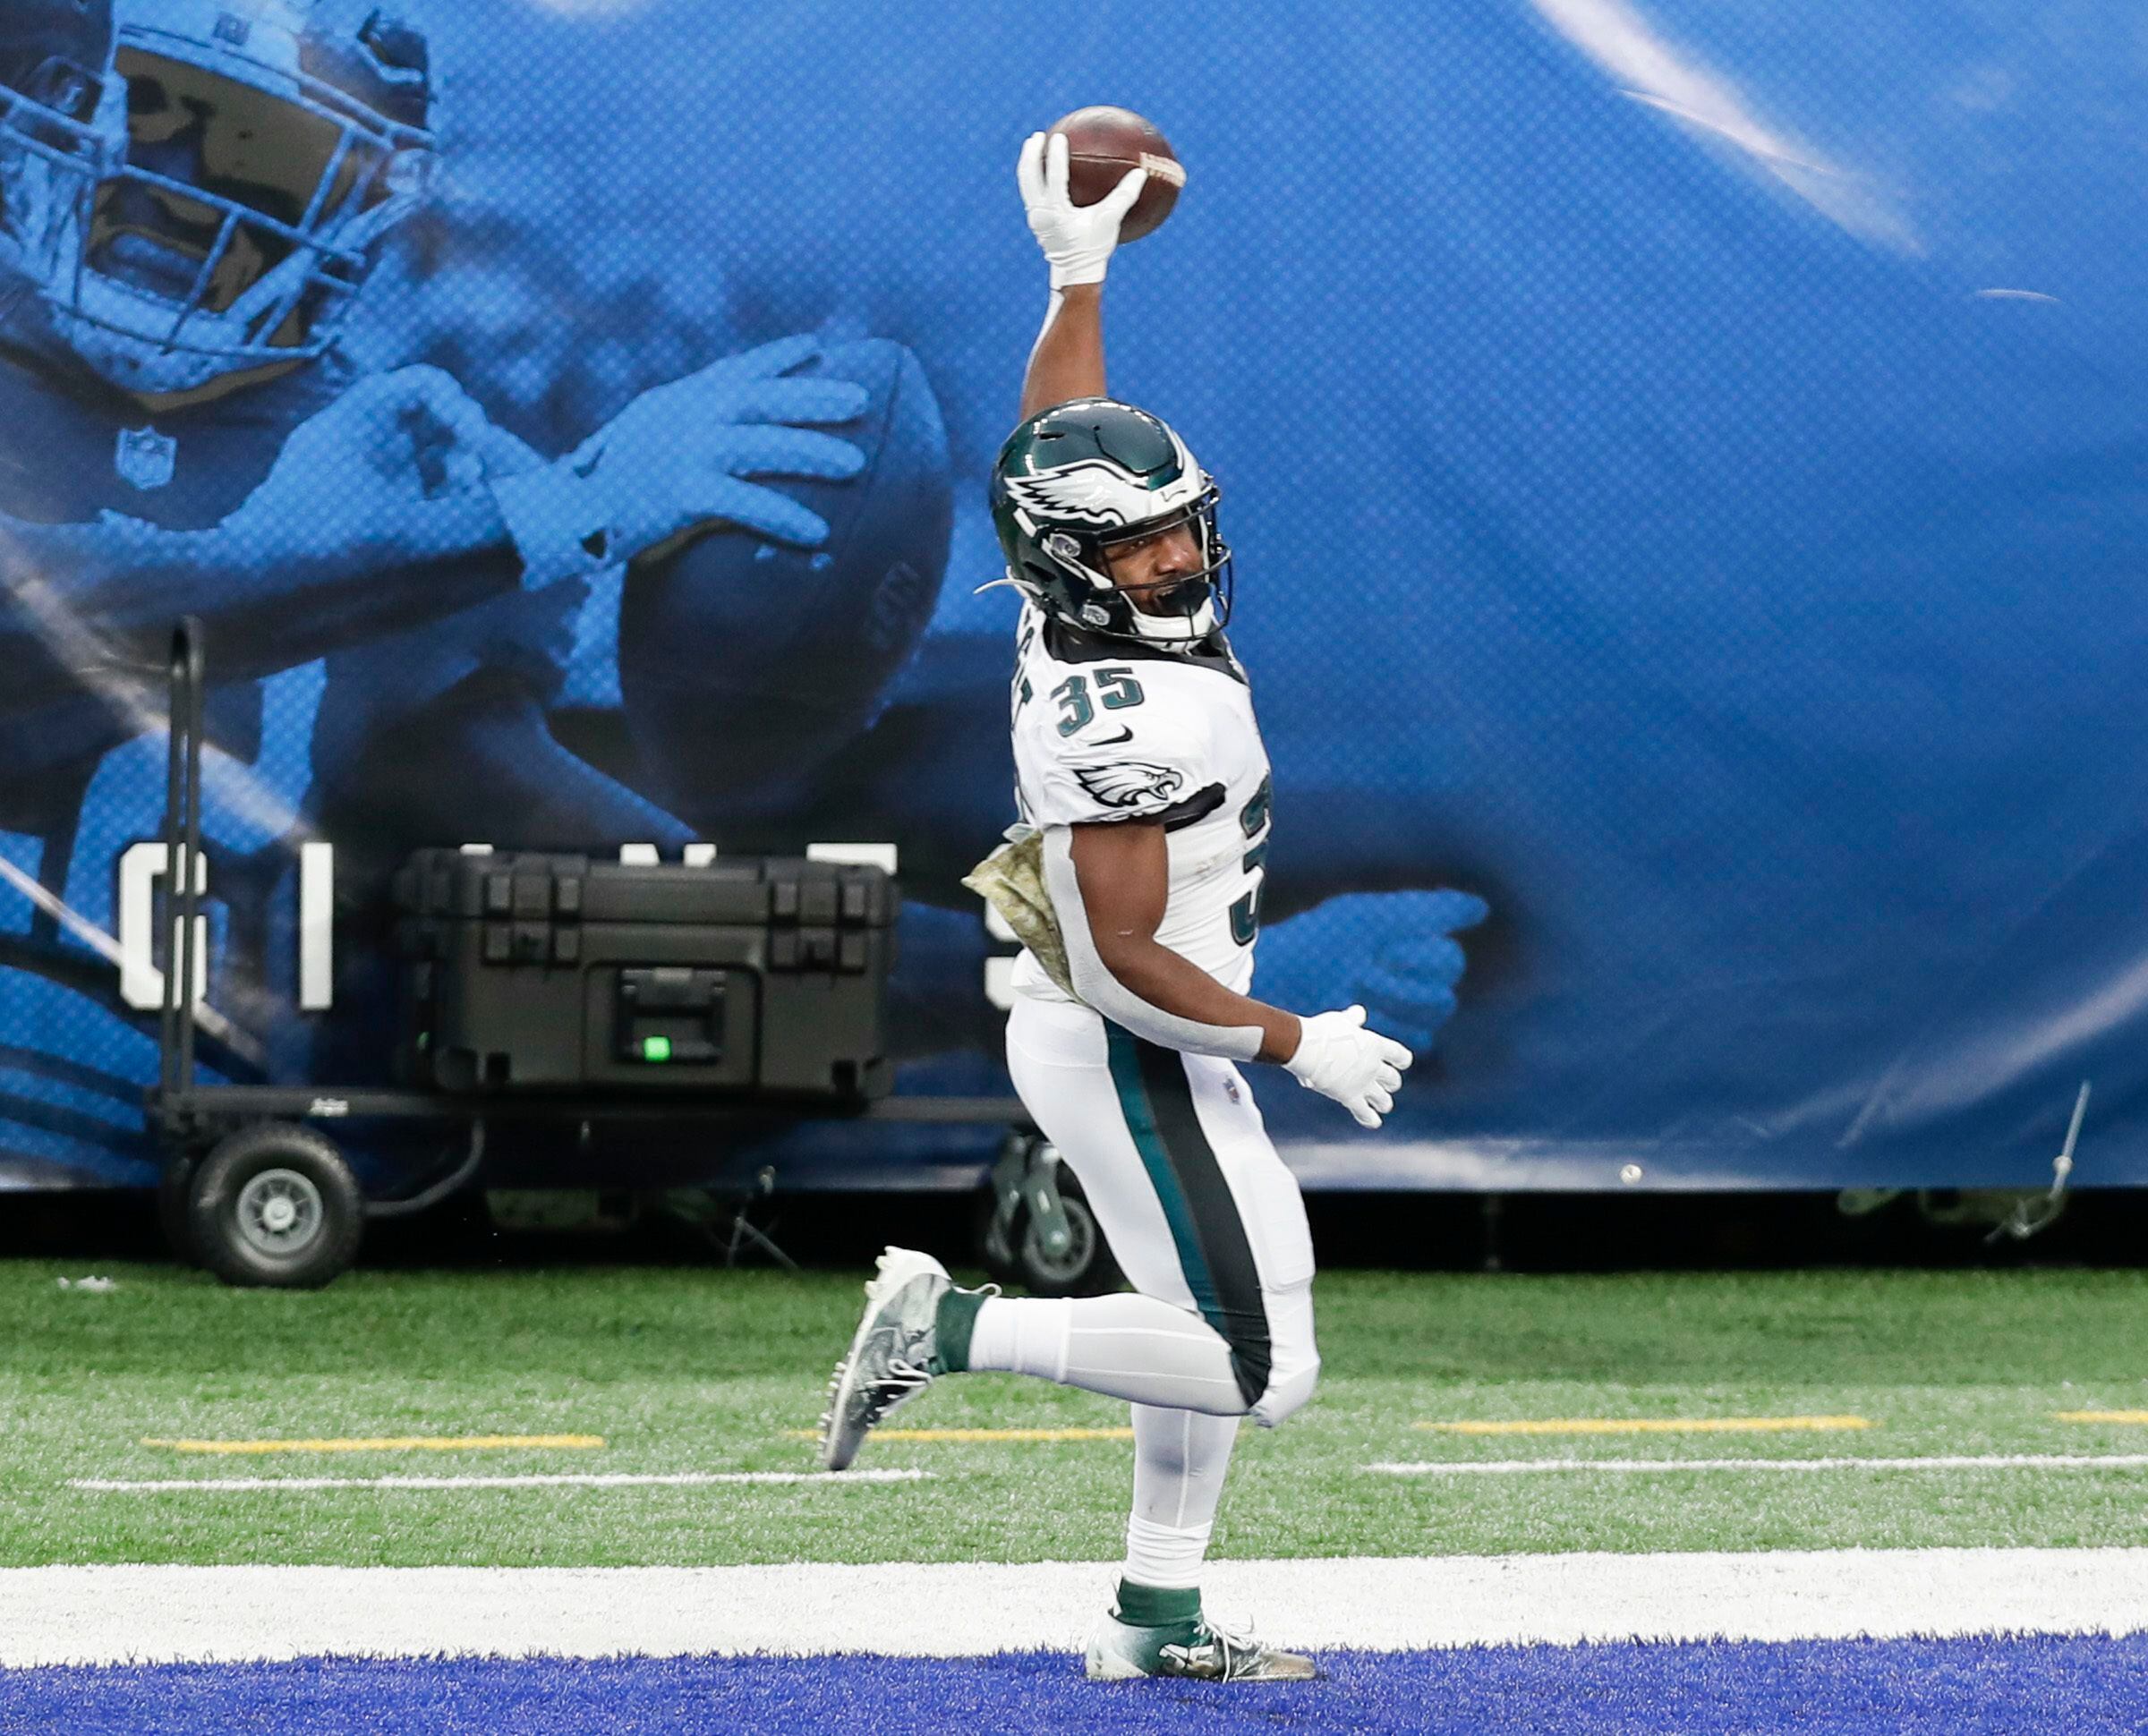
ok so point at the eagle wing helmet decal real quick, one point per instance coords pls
(1098, 492)
(1130, 783)
(1092, 491)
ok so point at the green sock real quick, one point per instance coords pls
(952, 1324)
(1154, 1606)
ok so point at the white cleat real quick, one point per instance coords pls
(1198, 1651)
(891, 1357)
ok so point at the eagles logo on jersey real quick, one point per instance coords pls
(1130, 784)
(1074, 479)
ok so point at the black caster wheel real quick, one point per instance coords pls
(1083, 1267)
(276, 1206)
(1018, 1239)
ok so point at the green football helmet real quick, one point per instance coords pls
(1082, 475)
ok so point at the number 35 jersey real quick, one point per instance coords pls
(1109, 729)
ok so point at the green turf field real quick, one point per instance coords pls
(706, 1370)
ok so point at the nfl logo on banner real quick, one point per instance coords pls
(145, 457)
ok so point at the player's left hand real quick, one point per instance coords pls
(1078, 240)
(1393, 952)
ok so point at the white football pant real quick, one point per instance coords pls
(1207, 1225)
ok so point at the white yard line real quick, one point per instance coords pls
(115, 1614)
(1994, 1461)
(557, 1480)
(1644, 1424)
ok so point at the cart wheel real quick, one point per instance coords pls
(1084, 1267)
(175, 1204)
(276, 1205)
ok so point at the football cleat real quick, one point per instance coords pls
(891, 1357)
(1196, 1651)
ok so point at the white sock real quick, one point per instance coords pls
(1028, 1336)
(1125, 1346)
(1180, 1460)
(1166, 1556)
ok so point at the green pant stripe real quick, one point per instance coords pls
(1178, 1210)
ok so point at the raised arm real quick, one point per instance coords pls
(1067, 362)
(1068, 359)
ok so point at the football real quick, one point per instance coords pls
(745, 663)
(1103, 144)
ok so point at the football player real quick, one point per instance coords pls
(192, 194)
(1145, 794)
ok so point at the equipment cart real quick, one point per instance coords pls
(254, 1187)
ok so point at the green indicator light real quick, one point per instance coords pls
(656, 1049)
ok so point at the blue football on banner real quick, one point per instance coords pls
(744, 662)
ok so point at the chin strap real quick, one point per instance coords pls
(1175, 642)
(1026, 589)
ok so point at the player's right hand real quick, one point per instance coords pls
(678, 458)
(1339, 1058)
(349, 477)
(1078, 240)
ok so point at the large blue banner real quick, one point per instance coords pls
(1688, 466)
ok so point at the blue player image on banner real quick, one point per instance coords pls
(1687, 502)
(195, 196)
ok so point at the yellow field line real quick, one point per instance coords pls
(1647, 1425)
(2102, 1415)
(389, 1443)
(971, 1434)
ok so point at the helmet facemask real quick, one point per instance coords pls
(1182, 610)
(58, 135)
(226, 237)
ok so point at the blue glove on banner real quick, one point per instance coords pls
(674, 461)
(1390, 952)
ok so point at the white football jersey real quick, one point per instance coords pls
(1107, 729)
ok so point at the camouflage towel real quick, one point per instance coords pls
(1011, 880)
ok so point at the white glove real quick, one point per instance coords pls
(1076, 239)
(1339, 1058)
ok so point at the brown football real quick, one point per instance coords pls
(1103, 144)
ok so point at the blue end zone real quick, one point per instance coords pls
(1902, 1688)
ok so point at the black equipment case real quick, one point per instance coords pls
(752, 975)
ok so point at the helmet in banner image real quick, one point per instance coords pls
(243, 160)
(58, 128)
(1077, 478)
